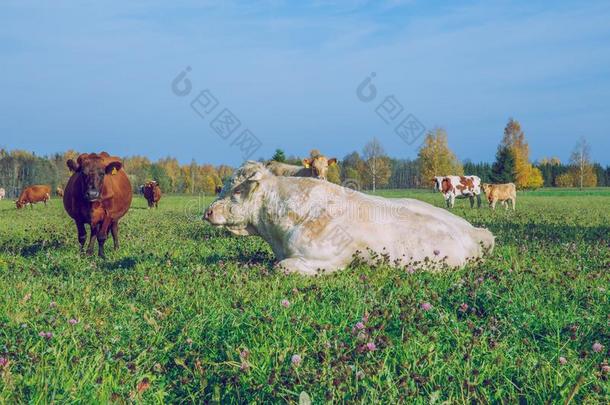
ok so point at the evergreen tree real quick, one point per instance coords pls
(503, 169)
(279, 156)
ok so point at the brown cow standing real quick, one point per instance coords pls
(98, 194)
(32, 195)
(152, 193)
(59, 191)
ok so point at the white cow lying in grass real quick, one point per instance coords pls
(315, 225)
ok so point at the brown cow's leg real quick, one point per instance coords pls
(94, 231)
(82, 234)
(102, 235)
(115, 234)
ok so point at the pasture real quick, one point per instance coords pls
(187, 313)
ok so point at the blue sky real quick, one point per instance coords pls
(94, 76)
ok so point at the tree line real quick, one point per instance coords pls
(369, 169)
(19, 169)
(374, 169)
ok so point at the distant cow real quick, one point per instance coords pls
(59, 191)
(453, 187)
(152, 193)
(32, 195)
(500, 192)
(98, 194)
(312, 224)
(316, 167)
(2, 193)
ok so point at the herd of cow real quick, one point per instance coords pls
(311, 224)
(453, 187)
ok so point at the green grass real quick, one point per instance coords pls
(187, 313)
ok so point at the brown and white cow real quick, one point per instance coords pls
(501, 192)
(2, 193)
(316, 166)
(453, 187)
(99, 194)
(32, 195)
(313, 224)
(152, 193)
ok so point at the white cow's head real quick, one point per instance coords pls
(437, 180)
(240, 200)
(319, 165)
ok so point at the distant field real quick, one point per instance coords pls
(187, 313)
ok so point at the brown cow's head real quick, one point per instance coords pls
(150, 185)
(94, 168)
(319, 165)
(20, 204)
(486, 188)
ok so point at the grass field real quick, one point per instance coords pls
(184, 312)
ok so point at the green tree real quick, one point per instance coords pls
(279, 156)
(334, 174)
(158, 174)
(503, 169)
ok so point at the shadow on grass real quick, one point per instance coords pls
(125, 263)
(38, 247)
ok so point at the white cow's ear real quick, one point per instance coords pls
(256, 176)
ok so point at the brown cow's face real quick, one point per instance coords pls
(94, 173)
(19, 204)
(93, 169)
(319, 166)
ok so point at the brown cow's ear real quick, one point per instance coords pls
(332, 161)
(81, 157)
(72, 166)
(113, 167)
(306, 163)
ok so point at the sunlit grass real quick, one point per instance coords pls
(185, 312)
